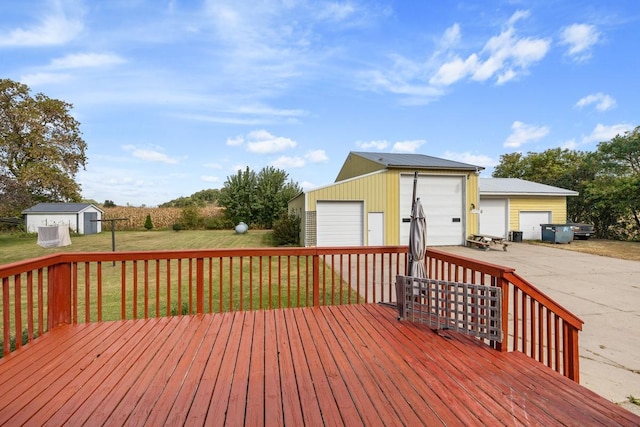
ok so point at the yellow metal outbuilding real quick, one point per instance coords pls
(370, 202)
(510, 204)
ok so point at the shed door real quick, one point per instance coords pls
(493, 217)
(375, 225)
(90, 223)
(530, 224)
(442, 199)
(340, 223)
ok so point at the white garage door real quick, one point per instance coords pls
(339, 223)
(442, 199)
(530, 224)
(493, 217)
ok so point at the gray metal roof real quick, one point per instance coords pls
(58, 208)
(515, 186)
(401, 160)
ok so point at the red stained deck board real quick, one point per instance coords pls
(254, 411)
(110, 370)
(217, 411)
(291, 406)
(355, 389)
(345, 405)
(403, 398)
(307, 395)
(349, 365)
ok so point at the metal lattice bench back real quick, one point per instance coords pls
(474, 310)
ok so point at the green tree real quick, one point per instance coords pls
(239, 197)
(617, 187)
(257, 199)
(41, 149)
(207, 197)
(569, 169)
(147, 222)
(274, 193)
(109, 204)
(180, 202)
(14, 197)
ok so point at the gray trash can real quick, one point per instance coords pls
(557, 233)
(515, 236)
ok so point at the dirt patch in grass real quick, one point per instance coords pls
(609, 248)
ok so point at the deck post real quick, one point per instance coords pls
(199, 285)
(316, 280)
(572, 358)
(59, 295)
(503, 283)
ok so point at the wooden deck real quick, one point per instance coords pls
(334, 365)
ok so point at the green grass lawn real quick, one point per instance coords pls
(16, 247)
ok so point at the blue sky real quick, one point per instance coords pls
(175, 96)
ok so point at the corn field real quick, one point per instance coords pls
(160, 217)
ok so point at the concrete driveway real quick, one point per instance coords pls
(603, 292)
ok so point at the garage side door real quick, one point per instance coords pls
(493, 217)
(442, 200)
(339, 223)
(530, 224)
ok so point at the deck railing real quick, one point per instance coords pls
(532, 322)
(42, 293)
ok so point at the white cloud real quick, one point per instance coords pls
(235, 142)
(290, 162)
(316, 156)
(580, 39)
(451, 37)
(149, 154)
(503, 57)
(306, 185)
(36, 79)
(53, 29)
(524, 133)
(602, 101)
(375, 145)
(407, 146)
(509, 56)
(286, 162)
(262, 142)
(454, 70)
(84, 60)
(209, 178)
(471, 158)
(336, 12)
(602, 133)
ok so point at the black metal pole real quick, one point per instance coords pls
(413, 202)
(113, 238)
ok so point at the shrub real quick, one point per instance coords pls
(147, 222)
(218, 223)
(190, 218)
(286, 230)
(177, 227)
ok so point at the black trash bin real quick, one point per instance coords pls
(557, 233)
(515, 236)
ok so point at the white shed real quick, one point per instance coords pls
(82, 218)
